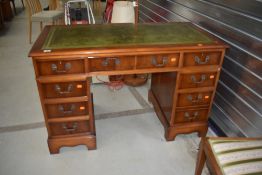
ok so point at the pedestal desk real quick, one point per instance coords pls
(185, 63)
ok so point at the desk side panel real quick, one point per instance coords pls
(163, 86)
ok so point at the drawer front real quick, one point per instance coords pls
(191, 115)
(194, 99)
(111, 63)
(60, 67)
(157, 61)
(67, 128)
(68, 89)
(66, 109)
(202, 58)
(197, 80)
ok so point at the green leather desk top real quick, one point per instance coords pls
(123, 35)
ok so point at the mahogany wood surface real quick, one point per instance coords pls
(213, 58)
(45, 67)
(191, 115)
(61, 78)
(69, 119)
(67, 109)
(163, 85)
(85, 139)
(184, 79)
(165, 60)
(67, 128)
(112, 63)
(62, 90)
(171, 131)
(193, 99)
(65, 100)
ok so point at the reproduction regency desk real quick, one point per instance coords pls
(185, 62)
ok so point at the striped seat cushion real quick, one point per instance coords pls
(238, 157)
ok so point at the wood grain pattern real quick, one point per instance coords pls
(66, 109)
(237, 24)
(63, 90)
(193, 99)
(68, 128)
(180, 70)
(55, 144)
(59, 67)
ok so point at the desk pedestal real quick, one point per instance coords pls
(185, 63)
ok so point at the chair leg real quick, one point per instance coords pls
(23, 3)
(30, 31)
(201, 159)
(97, 6)
(13, 3)
(100, 7)
(41, 26)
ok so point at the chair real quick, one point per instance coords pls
(36, 14)
(53, 4)
(230, 156)
(123, 12)
(13, 3)
(97, 5)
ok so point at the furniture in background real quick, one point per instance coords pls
(107, 15)
(1, 18)
(230, 156)
(54, 4)
(6, 10)
(80, 13)
(97, 6)
(185, 71)
(36, 14)
(13, 3)
(123, 12)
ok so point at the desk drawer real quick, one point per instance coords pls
(198, 80)
(67, 109)
(111, 63)
(60, 67)
(191, 115)
(67, 128)
(61, 90)
(157, 61)
(202, 58)
(193, 99)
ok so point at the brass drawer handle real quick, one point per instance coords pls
(198, 61)
(198, 99)
(191, 117)
(67, 67)
(70, 129)
(154, 62)
(105, 62)
(202, 79)
(69, 89)
(70, 111)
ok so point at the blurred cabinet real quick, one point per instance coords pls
(6, 11)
